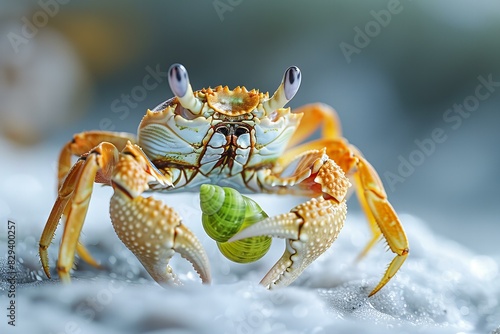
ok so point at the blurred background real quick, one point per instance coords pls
(394, 70)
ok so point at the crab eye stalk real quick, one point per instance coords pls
(178, 80)
(286, 91)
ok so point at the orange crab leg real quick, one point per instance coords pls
(83, 142)
(80, 145)
(105, 154)
(386, 218)
(76, 217)
(314, 116)
(64, 195)
(369, 187)
(133, 216)
(381, 216)
(85, 255)
(73, 199)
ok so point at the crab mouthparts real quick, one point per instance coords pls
(230, 145)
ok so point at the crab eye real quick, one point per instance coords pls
(285, 92)
(291, 82)
(178, 80)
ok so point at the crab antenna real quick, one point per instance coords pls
(179, 84)
(286, 91)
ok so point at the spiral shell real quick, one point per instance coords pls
(225, 212)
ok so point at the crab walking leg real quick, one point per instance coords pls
(64, 195)
(387, 220)
(381, 216)
(129, 172)
(76, 216)
(48, 235)
(102, 158)
(314, 116)
(85, 255)
(309, 229)
(80, 145)
(149, 228)
(84, 142)
(360, 186)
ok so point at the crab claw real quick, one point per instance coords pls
(286, 90)
(154, 233)
(178, 80)
(309, 229)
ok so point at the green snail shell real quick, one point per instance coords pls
(224, 213)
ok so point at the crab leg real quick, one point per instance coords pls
(129, 172)
(101, 158)
(76, 217)
(314, 116)
(83, 142)
(370, 189)
(85, 255)
(381, 216)
(80, 145)
(64, 195)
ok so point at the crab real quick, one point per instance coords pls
(236, 138)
